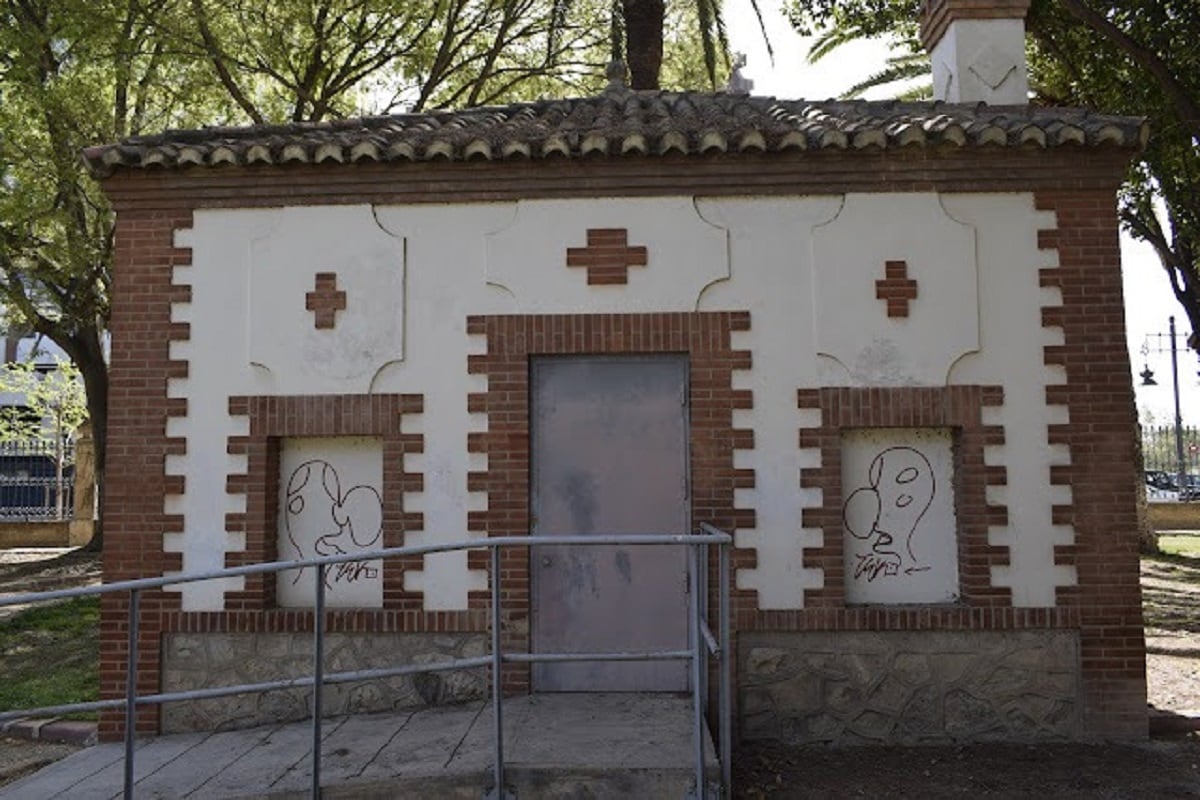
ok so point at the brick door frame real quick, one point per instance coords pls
(704, 337)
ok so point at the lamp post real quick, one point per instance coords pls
(1148, 380)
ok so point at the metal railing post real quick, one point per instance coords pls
(318, 677)
(497, 679)
(135, 603)
(698, 660)
(705, 618)
(702, 641)
(725, 667)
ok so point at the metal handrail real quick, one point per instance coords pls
(703, 641)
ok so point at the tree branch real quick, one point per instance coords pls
(213, 50)
(1186, 106)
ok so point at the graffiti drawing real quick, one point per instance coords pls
(322, 521)
(887, 511)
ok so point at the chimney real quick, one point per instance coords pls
(978, 50)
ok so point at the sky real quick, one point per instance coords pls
(1148, 299)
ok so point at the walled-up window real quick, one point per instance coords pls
(900, 540)
(330, 504)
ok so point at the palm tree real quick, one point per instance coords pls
(642, 24)
(638, 31)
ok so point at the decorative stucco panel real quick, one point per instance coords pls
(856, 328)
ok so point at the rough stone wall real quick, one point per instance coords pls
(932, 687)
(195, 661)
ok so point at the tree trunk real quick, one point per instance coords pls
(644, 41)
(85, 348)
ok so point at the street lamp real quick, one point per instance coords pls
(1147, 376)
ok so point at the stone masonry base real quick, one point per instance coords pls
(929, 687)
(201, 660)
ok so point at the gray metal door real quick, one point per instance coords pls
(609, 456)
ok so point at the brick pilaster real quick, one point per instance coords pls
(1101, 436)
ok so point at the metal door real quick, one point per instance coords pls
(609, 456)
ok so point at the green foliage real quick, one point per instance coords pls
(295, 60)
(1147, 64)
(54, 398)
(686, 65)
(48, 655)
(669, 44)
(865, 18)
(74, 73)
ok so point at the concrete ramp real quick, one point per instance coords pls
(556, 746)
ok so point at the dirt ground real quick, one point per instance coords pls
(1156, 769)
(1161, 768)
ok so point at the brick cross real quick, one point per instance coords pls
(607, 256)
(896, 288)
(325, 300)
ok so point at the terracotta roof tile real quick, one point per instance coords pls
(620, 122)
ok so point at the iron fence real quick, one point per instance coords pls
(705, 644)
(37, 480)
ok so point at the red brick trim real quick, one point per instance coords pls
(138, 445)
(896, 288)
(1101, 437)
(607, 256)
(274, 418)
(511, 340)
(908, 618)
(909, 169)
(1058, 433)
(955, 407)
(336, 621)
(936, 15)
(325, 300)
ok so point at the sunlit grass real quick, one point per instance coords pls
(48, 655)
(1180, 545)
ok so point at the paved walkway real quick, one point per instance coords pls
(608, 745)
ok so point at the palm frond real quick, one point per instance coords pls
(708, 14)
(829, 41)
(898, 69)
(762, 26)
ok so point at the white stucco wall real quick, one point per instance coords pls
(981, 60)
(804, 267)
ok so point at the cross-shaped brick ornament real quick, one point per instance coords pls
(896, 288)
(325, 300)
(607, 256)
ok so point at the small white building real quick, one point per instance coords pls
(881, 343)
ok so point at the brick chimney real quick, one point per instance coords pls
(978, 50)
